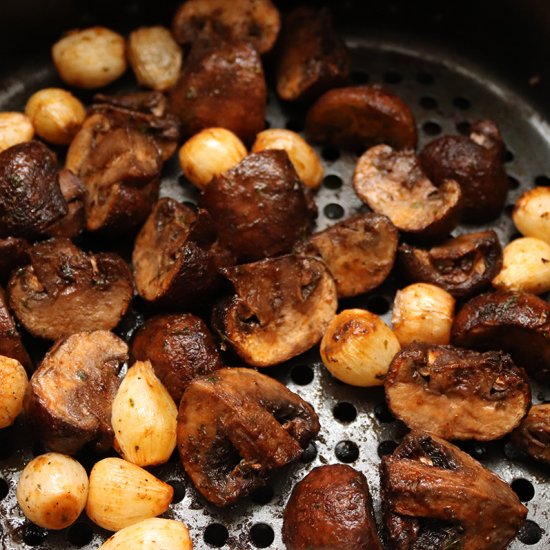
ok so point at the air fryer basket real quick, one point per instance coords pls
(445, 92)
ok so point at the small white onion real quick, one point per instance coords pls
(532, 213)
(15, 128)
(13, 383)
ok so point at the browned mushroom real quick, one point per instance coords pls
(533, 434)
(222, 85)
(259, 207)
(331, 508)
(13, 254)
(257, 21)
(10, 340)
(280, 309)
(518, 323)
(65, 290)
(456, 393)
(436, 496)
(69, 398)
(175, 256)
(180, 348)
(392, 183)
(476, 163)
(361, 116)
(235, 427)
(359, 252)
(463, 266)
(312, 58)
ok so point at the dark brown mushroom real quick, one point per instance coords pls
(222, 85)
(10, 340)
(280, 309)
(259, 207)
(312, 57)
(180, 348)
(436, 496)
(64, 290)
(392, 183)
(256, 21)
(331, 508)
(360, 116)
(13, 254)
(236, 427)
(68, 401)
(463, 266)
(518, 323)
(476, 163)
(359, 252)
(456, 393)
(532, 436)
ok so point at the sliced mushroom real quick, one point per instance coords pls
(312, 57)
(361, 116)
(436, 496)
(456, 393)
(68, 402)
(13, 254)
(280, 309)
(235, 427)
(359, 252)
(518, 323)
(463, 266)
(331, 508)
(476, 163)
(10, 339)
(392, 183)
(64, 290)
(533, 434)
(175, 258)
(180, 348)
(222, 85)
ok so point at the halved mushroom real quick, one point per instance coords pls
(331, 508)
(476, 163)
(463, 266)
(533, 434)
(180, 348)
(280, 309)
(222, 85)
(259, 207)
(256, 21)
(516, 322)
(312, 57)
(10, 340)
(235, 427)
(69, 398)
(436, 496)
(361, 116)
(64, 290)
(13, 254)
(176, 257)
(456, 393)
(392, 183)
(359, 252)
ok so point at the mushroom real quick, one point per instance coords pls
(180, 348)
(312, 57)
(360, 116)
(456, 393)
(516, 322)
(236, 427)
(281, 308)
(463, 266)
(331, 508)
(359, 252)
(392, 183)
(533, 434)
(476, 163)
(222, 85)
(68, 402)
(176, 256)
(13, 254)
(436, 496)
(64, 290)
(260, 208)
(10, 339)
